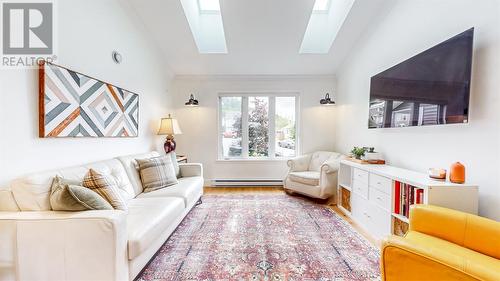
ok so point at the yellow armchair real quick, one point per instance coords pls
(443, 244)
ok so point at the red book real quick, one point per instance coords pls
(407, 211)
(420, 197)
(397, 199)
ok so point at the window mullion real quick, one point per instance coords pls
(272, 126)
(244, 127)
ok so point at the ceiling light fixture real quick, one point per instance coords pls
(327, 100)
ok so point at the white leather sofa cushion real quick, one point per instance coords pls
(7, 201)
(307, 177)
(147, 218)
(319, 157)
(65, 245)
(131, 167)
(189, 189)
(32, 192)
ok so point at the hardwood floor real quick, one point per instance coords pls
(279, 189)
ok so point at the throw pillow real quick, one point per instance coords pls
(157, 172)
(89, 198)
(105, 186)
(177, 169)
(67, 195)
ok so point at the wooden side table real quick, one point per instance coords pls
(182, 159)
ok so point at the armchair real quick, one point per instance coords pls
(314, 175)
(443, 244)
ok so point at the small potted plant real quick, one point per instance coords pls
(358, 152)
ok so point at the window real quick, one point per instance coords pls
(257, 126)
(321, 5)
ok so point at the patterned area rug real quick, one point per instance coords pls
(263, 237)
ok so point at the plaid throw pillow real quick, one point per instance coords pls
(157, 173)
(106, 187)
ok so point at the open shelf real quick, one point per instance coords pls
(401, 217)
(346, 186)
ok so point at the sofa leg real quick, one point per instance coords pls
(199, 202)
(289, 192)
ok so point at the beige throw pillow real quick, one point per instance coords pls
(105, 186)
(68, 195)
(157, 172)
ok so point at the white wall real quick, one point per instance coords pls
(199, 124)
(89, 30)
(413, 26)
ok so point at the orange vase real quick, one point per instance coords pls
(457, 173)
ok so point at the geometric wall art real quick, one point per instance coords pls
(72, 104)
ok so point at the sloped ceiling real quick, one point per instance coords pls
(263, 36)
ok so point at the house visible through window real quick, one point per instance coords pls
(257, 126)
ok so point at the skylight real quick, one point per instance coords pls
(205, 21)
(210, 6)
(327, 17)
(321, 5)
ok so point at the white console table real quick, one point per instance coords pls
(367, 195)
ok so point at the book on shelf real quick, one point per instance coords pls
(406, 195)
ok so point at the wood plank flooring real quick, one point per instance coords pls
(279, 189)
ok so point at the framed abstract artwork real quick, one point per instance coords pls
(72, 104)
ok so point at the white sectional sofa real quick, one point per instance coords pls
(37, 243)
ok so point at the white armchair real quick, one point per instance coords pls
(314, 175)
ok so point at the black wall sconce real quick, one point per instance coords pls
(327, 100)
(192, 101)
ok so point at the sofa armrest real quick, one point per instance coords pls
(299, 163)
(191, 170)
(330, 166)
(467, 230)
(90, 245)
(404, 259)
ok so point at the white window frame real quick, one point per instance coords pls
(244, 124)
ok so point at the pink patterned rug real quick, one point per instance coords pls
(263, 237)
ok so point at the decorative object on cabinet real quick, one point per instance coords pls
(381, 195)
(437, 173)
(72, 104)
(192, 101)
(371, 154)
(363, 161)
(169, 127)
(327, 100)
(457, 173)
(358, 152)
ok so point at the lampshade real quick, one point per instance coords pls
(169, 126)
(327, 100)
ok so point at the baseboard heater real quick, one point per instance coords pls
(247, 182)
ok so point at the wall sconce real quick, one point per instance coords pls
(327, 100)
(192, 101)
(117, 57)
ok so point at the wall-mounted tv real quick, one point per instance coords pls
(431, 88)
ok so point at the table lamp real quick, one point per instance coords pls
(169, 127)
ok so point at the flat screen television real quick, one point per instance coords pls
(431, 88)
